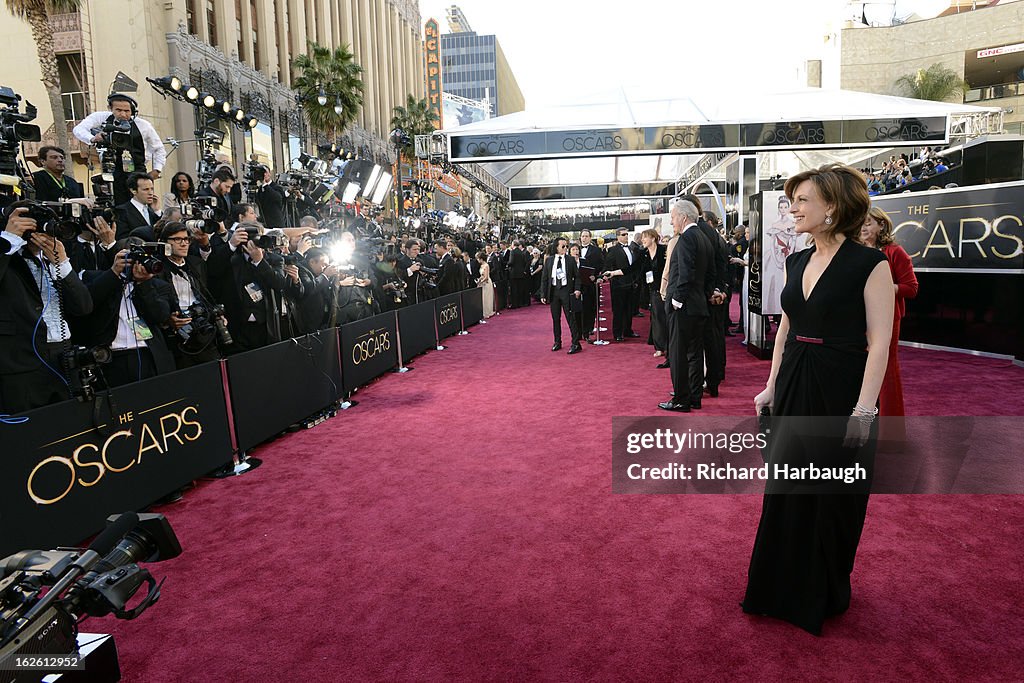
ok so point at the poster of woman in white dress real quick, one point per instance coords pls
(780, 240)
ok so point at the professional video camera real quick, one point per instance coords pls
(117, 135)
(14, 130)
(80, 366)
(148, 255)
(207, 324)
(81, 583)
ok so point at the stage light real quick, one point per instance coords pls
(224, 107)
(251, 122)
(371, 180)
(175, 84)
(321, 99)
(337, 105)
(350, 193)
(208, 100)
(383, 187)
(192, 93)
(237, 114)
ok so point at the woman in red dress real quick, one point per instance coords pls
(877, 233)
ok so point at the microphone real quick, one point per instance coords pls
(109, 537)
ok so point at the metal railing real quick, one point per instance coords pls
(994, 92)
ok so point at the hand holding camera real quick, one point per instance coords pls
(18, 223)
(104, 233)
(238, 238)
(51, 247)
(254, 252)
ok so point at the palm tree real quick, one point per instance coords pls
(937, 83)
(415, 118)
(335, 73)
(37, 13)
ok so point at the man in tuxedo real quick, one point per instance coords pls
(690, 284)
(136, 212)
(35, 276)
(220, 186)
(499, 274)
(591, 257)
(271, 199)
(621, 266)
(714, 331)
(518, 275)
(51, 184)
(560, 285)
(449, 279)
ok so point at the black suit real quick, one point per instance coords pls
(128, 217)
(89, 255)
(499, 275)
(622, 287)
(714, 331)
(449, 280)
(690, 282)
(519, 277)
(271, 199)
(48, 190)
(224, 202)
(591, 257)
(194, 270)
(562, 298)
(24, 382)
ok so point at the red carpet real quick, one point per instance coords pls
(459, 524)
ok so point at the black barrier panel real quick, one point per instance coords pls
(369, 348)
(448, 314)
(278, 385)
(472, 306)
(62, 477)
(416, 324)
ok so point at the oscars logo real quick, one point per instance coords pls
(449, 313)
(376, 341)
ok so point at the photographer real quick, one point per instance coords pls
(270, 197)
(389, 288)
(130, 307)
(137, 211)
(35, 295)
(127, 137)
(355, 299)
(50, 183)
(317, 306)
(449, 279)
(93, 248)
(220, 186)
(191, 330)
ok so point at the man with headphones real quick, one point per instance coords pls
(144, 142)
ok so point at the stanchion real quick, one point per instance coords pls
(402, 367)
(597, 319)
(240, 462)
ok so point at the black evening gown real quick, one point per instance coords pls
(806, 542)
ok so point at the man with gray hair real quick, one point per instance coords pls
(690, 285)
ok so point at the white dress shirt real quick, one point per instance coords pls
(156, 155)
(142, 208)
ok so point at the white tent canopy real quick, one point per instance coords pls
(633, 108)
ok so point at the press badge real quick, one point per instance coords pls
(650, 276)
(141, 329)
(255, 292)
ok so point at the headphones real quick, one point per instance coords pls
(114, 96)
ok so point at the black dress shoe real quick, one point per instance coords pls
(713, 391)
(632, 335)
(575, 348)
(662, 365)
(557, 346)
(618, 339)
(677, 407)
(695, 404)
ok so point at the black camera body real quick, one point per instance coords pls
(117, 135)
(207, 324)
(207, 209)
(61, 220)
(80, 365)
(14, 129)
(149, 255)
(266, 242)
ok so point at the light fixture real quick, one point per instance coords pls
(251, 122)
(337, 105)
(370, 185)
(350, 193)
(382, 189)
(237, 114)
(208, 100)
(321, 99)
(192, 93)
(224, 107)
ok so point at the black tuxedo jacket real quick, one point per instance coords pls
(572, 276)
(84, 258)
(20, 308)
(616, 259)
(720, 256)
(518, 264)
(690, 274)
(47, 189)
(449, 280)
(270, 199)
(154, 299)
(593, 258)
(128, 218)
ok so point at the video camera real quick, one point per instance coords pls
(62, 220)
(117, 135)
(14, 129)
(81, 583)
(80, 365)
(148, 255)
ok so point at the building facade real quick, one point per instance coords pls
(239, 51)
(984, 46)
(473, 66)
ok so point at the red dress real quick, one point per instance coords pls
(890, 399)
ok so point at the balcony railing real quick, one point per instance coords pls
(994, 92)
(63, 23)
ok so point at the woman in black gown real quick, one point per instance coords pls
(829, 360)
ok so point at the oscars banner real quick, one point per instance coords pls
(278, 385)
(448, 313)
(70, 465)
(778, 239)
(369, 348)
(472, 306)
(416, 329)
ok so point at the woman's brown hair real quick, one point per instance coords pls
(845, 188)
(885, 237)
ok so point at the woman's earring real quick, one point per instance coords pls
(828, 220)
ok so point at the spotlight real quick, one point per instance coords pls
(192, 93)
(208, 100)
(350, 193)
(169, 83)
(250, 122)
(237, 114)
(382, 189)
(321, 99)
(337, 105)
(224, 107)
(175, 84)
